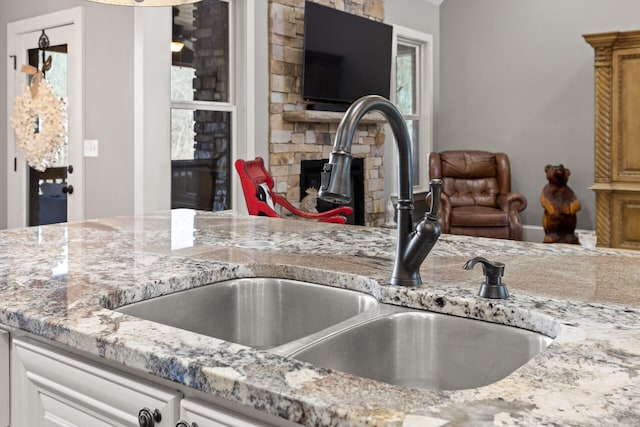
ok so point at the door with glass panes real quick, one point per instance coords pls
(50, 192)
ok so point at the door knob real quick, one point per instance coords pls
(67, 189)
(70, 168)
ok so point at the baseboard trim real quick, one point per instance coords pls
(532, 233)
(535, 233)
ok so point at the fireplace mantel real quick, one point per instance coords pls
(312, 116)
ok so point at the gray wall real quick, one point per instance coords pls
(517, 76)
(108, 101)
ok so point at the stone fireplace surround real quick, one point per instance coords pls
(296, 134)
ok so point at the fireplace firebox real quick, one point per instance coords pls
(310, 177)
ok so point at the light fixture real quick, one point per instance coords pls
(177, 46)
(146, 2)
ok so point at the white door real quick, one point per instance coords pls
(29, 202)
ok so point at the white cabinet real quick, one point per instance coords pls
(4, 378)
(49, 388)
(53, 388)
(206, 415)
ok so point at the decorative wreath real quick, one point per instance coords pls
(39, 120)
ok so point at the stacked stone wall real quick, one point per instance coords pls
(291, 142)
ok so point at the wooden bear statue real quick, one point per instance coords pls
(560, 207)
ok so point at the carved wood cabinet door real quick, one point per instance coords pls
(617, 138)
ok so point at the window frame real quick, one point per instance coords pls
(230, 106)
(423, 43)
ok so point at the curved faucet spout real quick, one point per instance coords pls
(336, 188)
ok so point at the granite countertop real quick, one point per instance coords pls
(60, 281)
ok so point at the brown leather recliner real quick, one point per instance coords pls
(476, 195)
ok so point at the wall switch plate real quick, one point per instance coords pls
(91, 148)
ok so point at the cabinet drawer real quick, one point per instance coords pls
(206, 415)
(51, 388)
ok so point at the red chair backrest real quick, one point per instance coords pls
(252, 174)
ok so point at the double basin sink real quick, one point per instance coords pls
(348, 331)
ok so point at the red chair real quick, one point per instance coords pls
(257, 186)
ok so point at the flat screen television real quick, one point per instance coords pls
(345, 56)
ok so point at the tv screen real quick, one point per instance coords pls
(345, 56)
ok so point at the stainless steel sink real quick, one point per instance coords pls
(425, 350)
(258, 312)
(348, 331)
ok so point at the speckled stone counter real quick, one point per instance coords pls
(59, 282)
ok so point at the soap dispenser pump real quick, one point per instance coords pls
(492, 287)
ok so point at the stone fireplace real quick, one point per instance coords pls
(297, 134)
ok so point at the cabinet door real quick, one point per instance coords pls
(625, 112)
(50, 388)
(206, 415)
(4, 378)
(626, 220)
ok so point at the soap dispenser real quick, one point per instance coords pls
(492, 287)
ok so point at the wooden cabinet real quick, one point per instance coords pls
(50, 388)
(617, 138)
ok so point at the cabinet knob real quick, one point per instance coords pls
(182, 423)
(146, 418)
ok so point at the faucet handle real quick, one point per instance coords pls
(435, 192)
(492, 287)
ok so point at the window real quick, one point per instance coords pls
(203, 110)
(414, 97)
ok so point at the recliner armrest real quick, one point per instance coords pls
(515, 202)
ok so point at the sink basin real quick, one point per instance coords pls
(257, 312)
(348, 331)
(426, 350)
